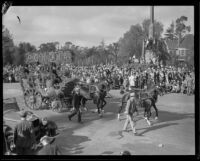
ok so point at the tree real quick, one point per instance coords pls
(48, 47)
(8, 46)
(160, 49)
(131, 43)
(68, 45)
(179, 30)
(114, 50)
(170, 32)
(21, 50)
(158, 28)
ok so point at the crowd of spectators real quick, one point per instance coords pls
(171, 79)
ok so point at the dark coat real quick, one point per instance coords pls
(23, 136)
(49, 129)
(76, 101)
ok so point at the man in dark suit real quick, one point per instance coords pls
(23, 136)
(76, 105)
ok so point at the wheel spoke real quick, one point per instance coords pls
(33, 106)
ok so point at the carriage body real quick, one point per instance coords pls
(31, 91)
(37, 97)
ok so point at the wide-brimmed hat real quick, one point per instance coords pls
(132, 94)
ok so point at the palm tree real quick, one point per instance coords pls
(160, 49)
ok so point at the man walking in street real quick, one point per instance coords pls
(76, 105)
(130, 109)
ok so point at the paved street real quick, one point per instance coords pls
(103, 136)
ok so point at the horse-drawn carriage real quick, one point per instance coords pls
(43, 91)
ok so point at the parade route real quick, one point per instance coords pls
(174, 129)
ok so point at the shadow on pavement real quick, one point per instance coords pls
(69, 143)
(151, 128)
(165, 116)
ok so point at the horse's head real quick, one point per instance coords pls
(85, 92)
(158, 90)
(155, 94)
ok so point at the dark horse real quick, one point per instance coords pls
(99, 100)
(97, 93)
(151, 95)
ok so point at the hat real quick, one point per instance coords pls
(23, 114)
(132, 94)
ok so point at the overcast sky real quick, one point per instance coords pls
(84, 25)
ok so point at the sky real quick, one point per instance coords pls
(85, 26)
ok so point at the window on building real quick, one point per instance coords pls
(182, 52)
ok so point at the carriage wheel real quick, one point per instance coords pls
(8, 134)
(33, 99)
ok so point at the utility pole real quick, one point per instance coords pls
(151, 32)
(151, 27)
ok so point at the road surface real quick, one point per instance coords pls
(174, 129)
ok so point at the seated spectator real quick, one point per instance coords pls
(177, 87)
(47, 127)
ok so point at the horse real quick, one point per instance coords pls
(97, 95)
(144, 99)
(99, 100)
(152, 94)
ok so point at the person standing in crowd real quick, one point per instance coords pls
(126, 83)
(23, 136)
(76, 105)
(132, 80)
(189, 84)
(130, 110)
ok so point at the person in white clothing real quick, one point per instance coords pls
(132, 81)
